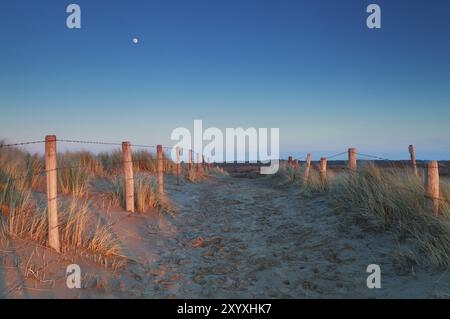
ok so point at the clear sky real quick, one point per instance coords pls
(311, 68)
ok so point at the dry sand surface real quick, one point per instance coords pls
(229, 237)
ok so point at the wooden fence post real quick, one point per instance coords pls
(432, 186)
(203, 164)
(178, 165)
(352, 159)
(128, 173)
(197, 164)
(52, 192)
(297, 165)
(160, 169)
(323, 170)
(191, 158)
(413, 159)
(307, 168)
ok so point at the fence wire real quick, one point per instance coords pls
(20, 144)
(167, 161)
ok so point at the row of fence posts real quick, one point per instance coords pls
(51, 168)
(431, 177)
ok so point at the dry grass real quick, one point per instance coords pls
(91, 163)
(285, 176)
(315, 184)
(72, 176)
(218, 171)
(30, 222)
(170, 167)
(144, 192)
(22, 216)
(381, 199)
(13, 199)
(143, 162)
(192, 176)
(112, 162)
(25, 169)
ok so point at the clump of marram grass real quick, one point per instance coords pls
(75, 220)
(144, 192)
(445, 192)
(170, 167)
(13, 199)
(315, 184)
(24, 168)
(143, 162)
(379, 198)
(195, 175)
(286, 175)
(72, 179)
(75, 169)
(19, 172)
(218, 171)
(91, 164)
(77, 231)
(191, 175)
(112, 162)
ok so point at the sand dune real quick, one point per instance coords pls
(230, 238)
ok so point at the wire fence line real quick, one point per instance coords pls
(74, 141)
(96, 142)
(116, 165)
(373, 156)
(190, 151)
(20, 144)
(88, 142)
(119, 164)
(336, 155)
(158, 167)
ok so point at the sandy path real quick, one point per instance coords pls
(243, 238)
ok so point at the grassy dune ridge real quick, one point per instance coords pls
(84, 179)
(23, 209)
(380, 199)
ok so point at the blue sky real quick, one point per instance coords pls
(311, 68)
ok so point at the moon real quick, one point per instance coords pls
(135, 40)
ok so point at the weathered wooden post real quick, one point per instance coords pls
(197, 164)
(413, 159)
(323, 170)
(191, 158)
(128, 173)
(203, 164)
(178, 165)
(432, 186)
(160, 168)
(307, 168)
(52, 192)
(352, 159)
(297, 165)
